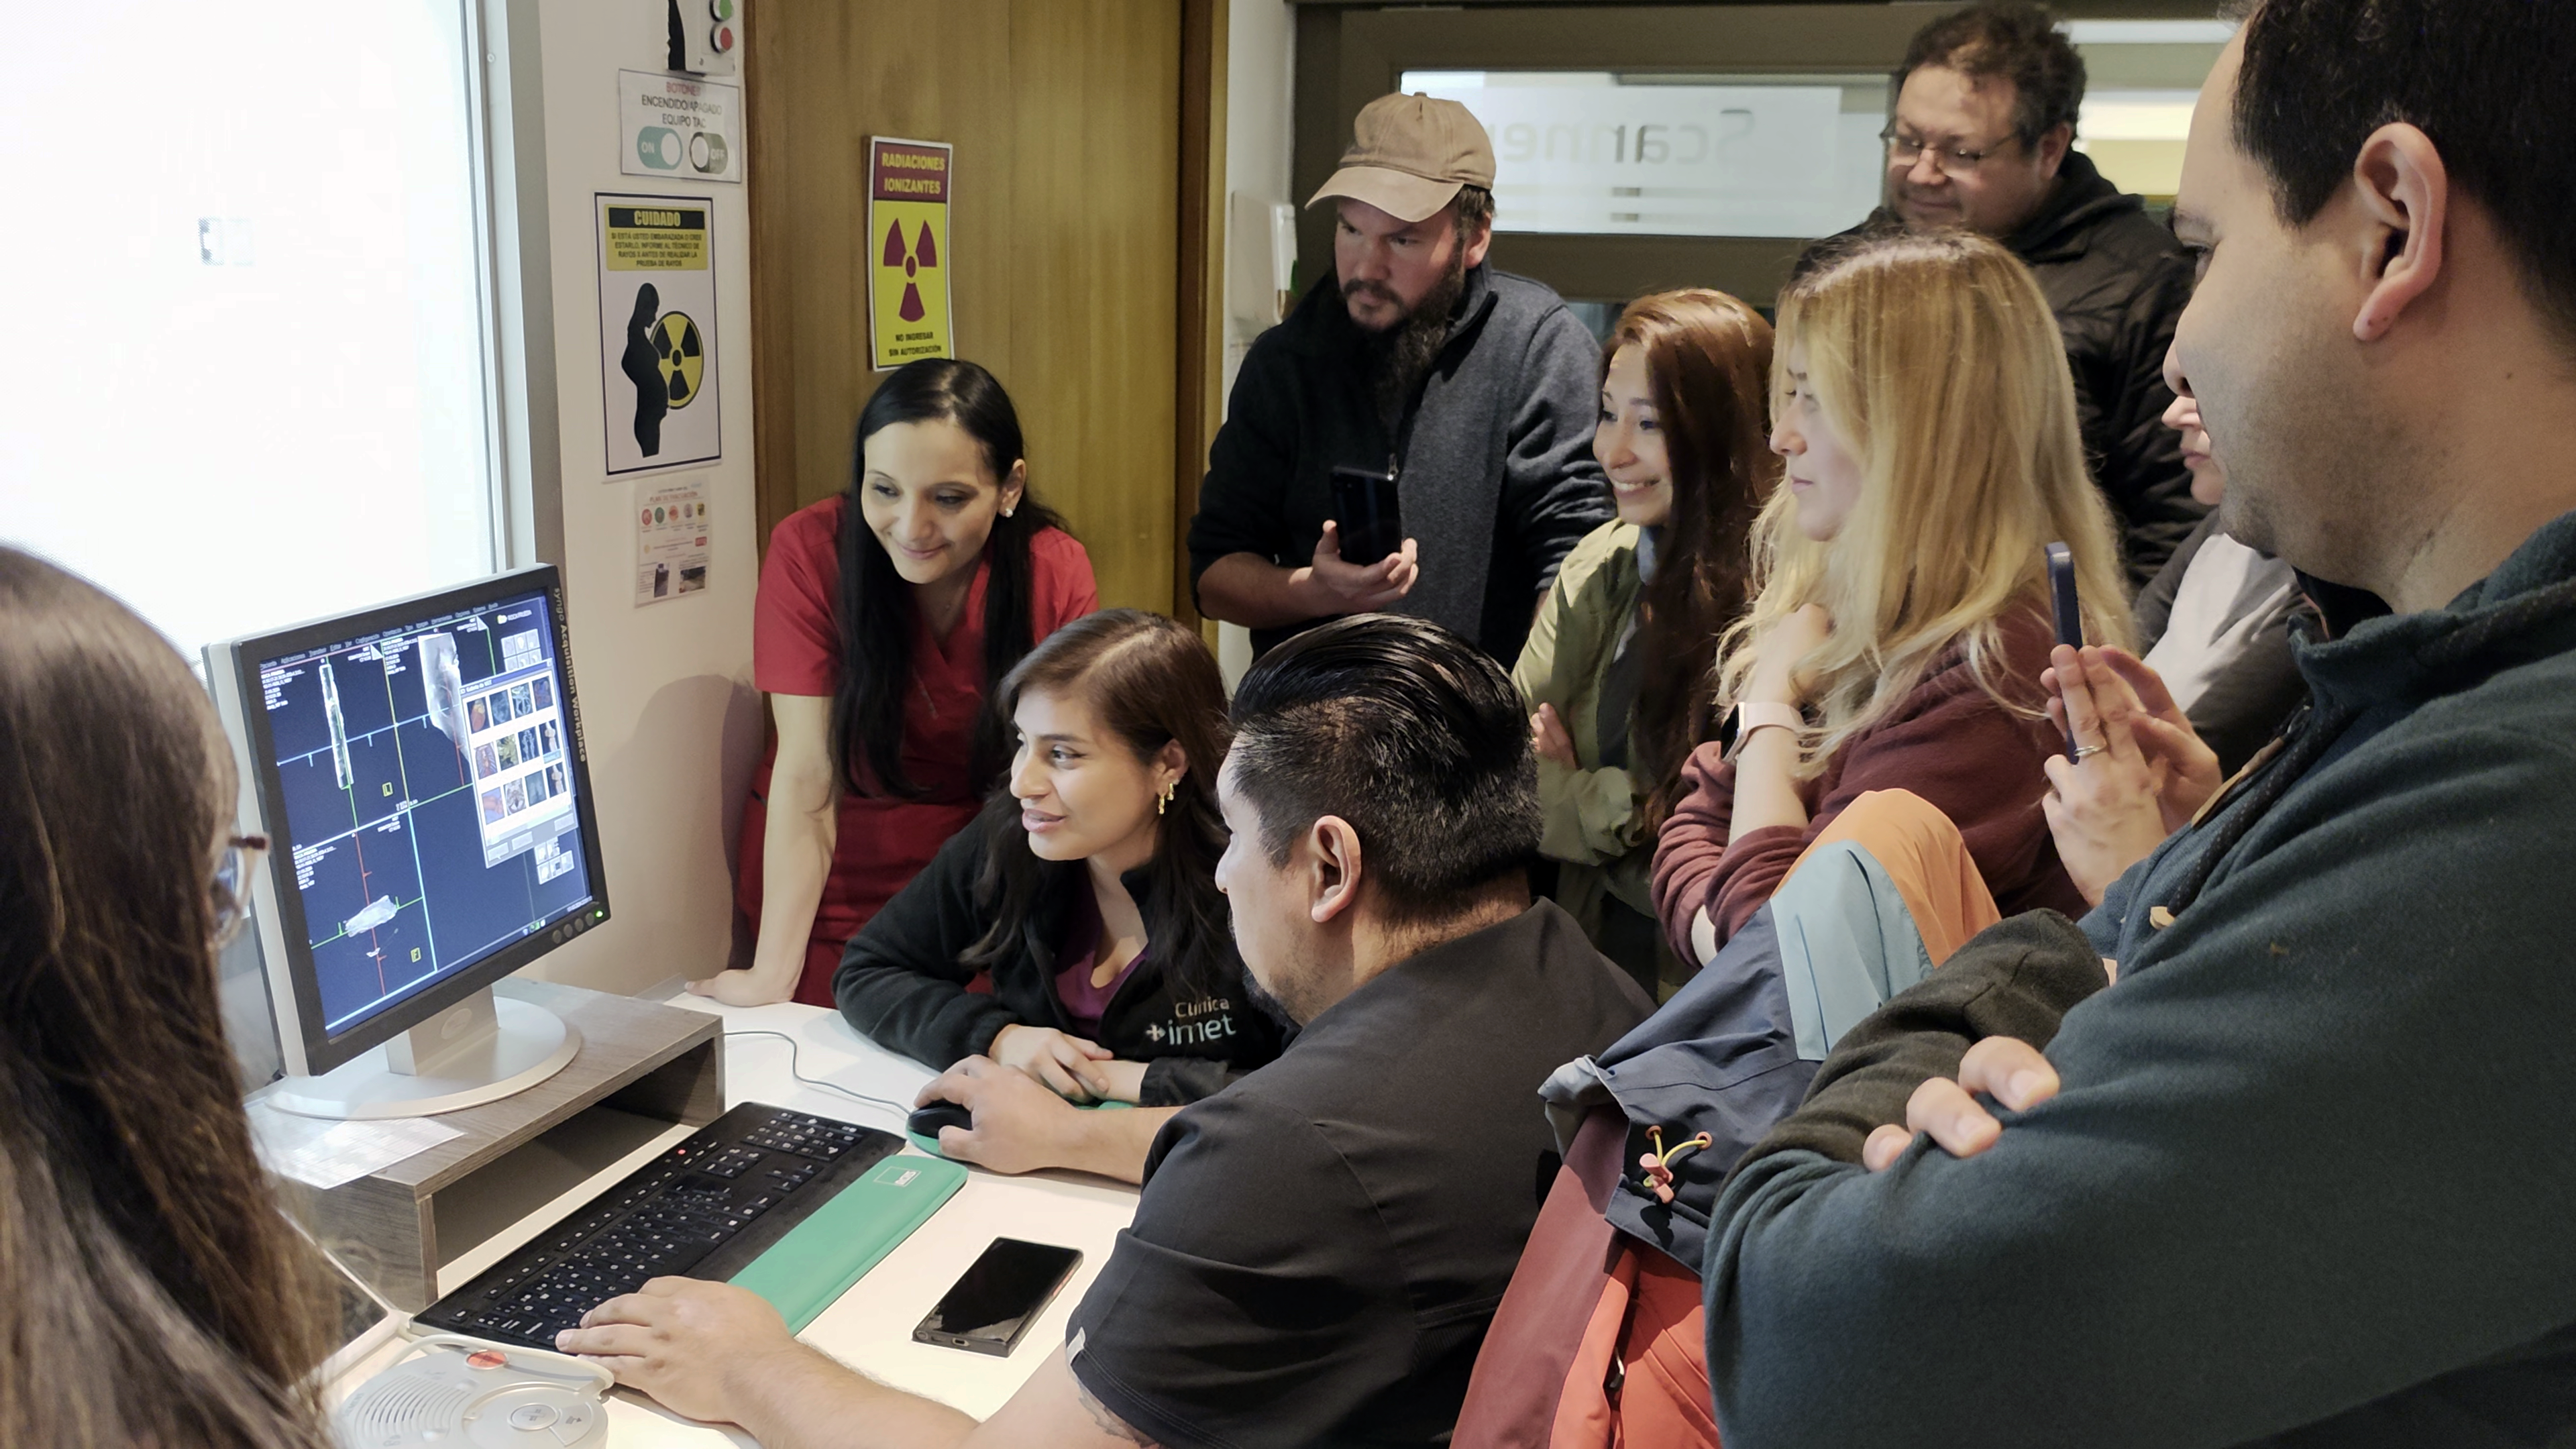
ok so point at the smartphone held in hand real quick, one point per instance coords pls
(2068, 609)
(1366, 510)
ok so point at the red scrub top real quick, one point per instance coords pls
(796, 648)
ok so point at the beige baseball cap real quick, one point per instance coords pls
(1410, 154)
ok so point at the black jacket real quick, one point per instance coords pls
(902, 986)
(2306, 1180)
(2117, 281)
(1493, 454)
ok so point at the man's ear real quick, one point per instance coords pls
(1334, 868)
(1479, 244)
(2403, 193)
(2051, 148)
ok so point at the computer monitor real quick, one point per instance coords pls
(418, 770)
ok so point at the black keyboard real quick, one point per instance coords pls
(704, 1209)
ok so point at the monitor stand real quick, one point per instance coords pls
(479, 1050)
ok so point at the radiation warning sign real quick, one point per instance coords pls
(908, 257)
(657, 331)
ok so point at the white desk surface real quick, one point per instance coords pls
(870, 1328)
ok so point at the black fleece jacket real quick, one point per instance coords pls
(2307, 1180)
(902, 986)
(2118, 281)
(1493, 455)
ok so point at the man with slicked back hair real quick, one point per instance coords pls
(1319, 1247)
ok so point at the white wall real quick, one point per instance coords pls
(671, 721)
(1260, 75)
(1260, 71)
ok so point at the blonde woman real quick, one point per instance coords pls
(1921, 400)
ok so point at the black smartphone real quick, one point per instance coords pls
(999, 1296)
(2068, 609)
(1372, 523)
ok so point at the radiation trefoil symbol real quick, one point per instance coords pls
(681, 355)
(925, 253)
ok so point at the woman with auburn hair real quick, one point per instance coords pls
(1921, 398)
(1615, 666)
(1085, 897)
(150, 1291)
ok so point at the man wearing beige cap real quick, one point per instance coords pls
(1475, 388)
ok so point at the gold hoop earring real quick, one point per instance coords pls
(1163, 801)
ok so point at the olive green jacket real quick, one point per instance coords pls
(1595, 817)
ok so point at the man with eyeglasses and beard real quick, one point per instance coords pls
(1983, 138)
(1477, 389)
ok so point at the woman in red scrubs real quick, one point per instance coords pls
(885, 615)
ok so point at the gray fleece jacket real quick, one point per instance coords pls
(2309, 1178)
(1493, 454)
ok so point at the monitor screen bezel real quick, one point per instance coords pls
(309, 1048)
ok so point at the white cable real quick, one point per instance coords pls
(794, 1050)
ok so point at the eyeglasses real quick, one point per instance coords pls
(1948, 160)
(231, 885)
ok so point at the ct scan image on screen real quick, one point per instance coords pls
(428, 798)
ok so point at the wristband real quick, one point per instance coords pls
(1752, 715)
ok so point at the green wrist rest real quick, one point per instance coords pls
(804, 1272)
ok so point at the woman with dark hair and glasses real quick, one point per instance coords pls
(885, 617)
(150, 1291)
(1086, 897)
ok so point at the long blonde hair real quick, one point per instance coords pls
(1937, 360)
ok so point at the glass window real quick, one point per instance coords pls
(252, 382)
(1662, 154)
(1667, 155)
(2144, 76)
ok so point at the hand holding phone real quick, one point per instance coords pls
(1363, 562)
(1368, 515)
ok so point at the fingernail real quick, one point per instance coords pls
(2023, 1085)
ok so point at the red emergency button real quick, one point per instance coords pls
(723, 38)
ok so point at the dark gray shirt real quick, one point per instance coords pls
(1320, 1246)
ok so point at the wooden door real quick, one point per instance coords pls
(1067, 242)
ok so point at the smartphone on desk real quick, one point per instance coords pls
(1000, 1295)
(1366, 511)
(2068, 609)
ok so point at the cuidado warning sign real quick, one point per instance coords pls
(908, 254)
(658, 358)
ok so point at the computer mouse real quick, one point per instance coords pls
(926, 1121)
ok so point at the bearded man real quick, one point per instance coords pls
(1477, 389)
